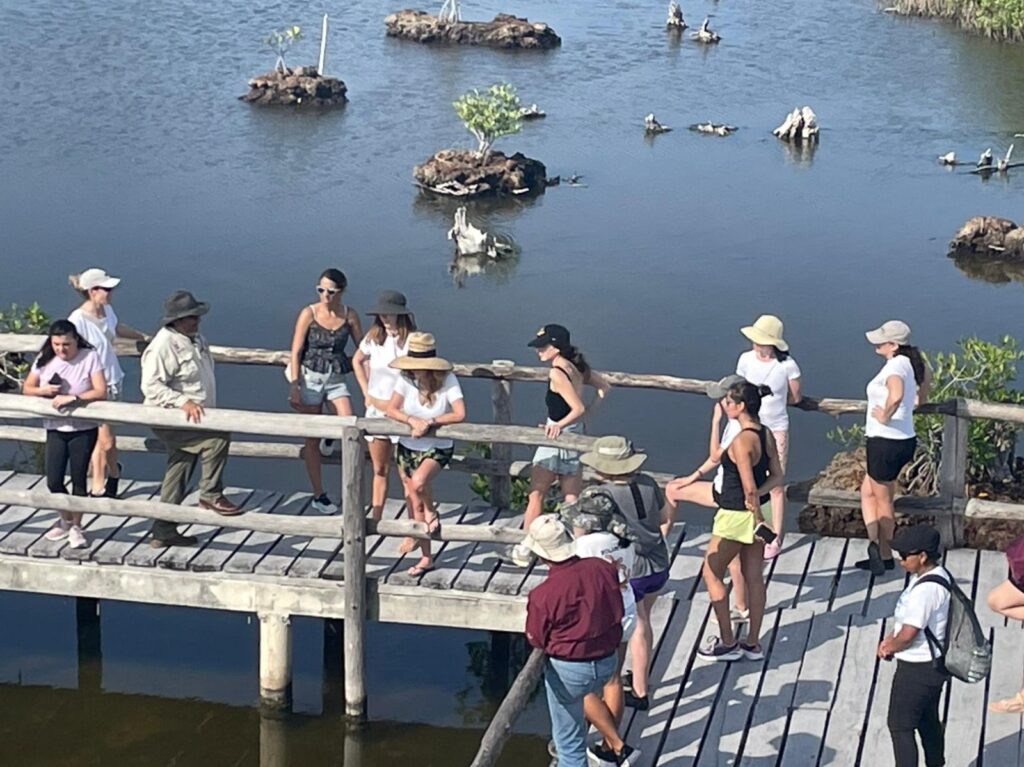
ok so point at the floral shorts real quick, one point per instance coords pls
(409, 460)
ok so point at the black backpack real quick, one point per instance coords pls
(966, 652)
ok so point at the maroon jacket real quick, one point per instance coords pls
(576, 612)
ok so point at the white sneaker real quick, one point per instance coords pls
(58, 532)
(327, 447)
(324, 505)
(76, 538)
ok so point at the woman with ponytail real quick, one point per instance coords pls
(565, 412)
(900, 385)
(750, 469)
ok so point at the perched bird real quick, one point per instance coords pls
(948, 159)
(704, 34)
(652, 126)
(986, 159)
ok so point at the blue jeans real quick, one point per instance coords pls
(566, 683)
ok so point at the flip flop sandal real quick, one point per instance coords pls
(433, 524)
(1014, 705)
(417, 570)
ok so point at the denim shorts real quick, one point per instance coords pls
(564, 463)
(317, 388)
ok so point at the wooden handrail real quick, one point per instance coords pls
(500, 728)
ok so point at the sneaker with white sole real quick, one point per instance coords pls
(735, 615)
(76, 538)
(324, 505)
(58, 532)
(715, 650)
(327, 447)
(752, 651)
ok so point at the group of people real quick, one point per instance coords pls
(606, 547)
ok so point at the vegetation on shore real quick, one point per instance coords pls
(998, 19)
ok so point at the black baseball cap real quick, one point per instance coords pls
(918, 539)
(551, 335)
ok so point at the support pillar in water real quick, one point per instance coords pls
(273, 739)
(333, 683)
(90, 654)
(275, 661)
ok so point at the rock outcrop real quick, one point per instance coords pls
(460, 173)
(504, 31)
(294, 87)
(800, 126)
(988, 237)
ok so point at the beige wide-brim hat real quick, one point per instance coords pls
(613, 456)
(767, 331)
(549, 539)
(422, 355)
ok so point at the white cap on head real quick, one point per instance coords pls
(892, 331)
(97, 278)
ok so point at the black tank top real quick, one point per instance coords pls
(558, 408)
(731, 495)
(324, 351)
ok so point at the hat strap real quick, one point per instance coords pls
(422, 355)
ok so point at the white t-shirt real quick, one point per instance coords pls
(412, 405)
(776, 375)
(901, 425)
(732, 428)
(607, 546)
(100, 332)
(380, 356)
(921, 606)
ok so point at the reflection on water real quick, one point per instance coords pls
(990, 270)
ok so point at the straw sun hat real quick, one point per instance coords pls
(767, 331)
(422, 355)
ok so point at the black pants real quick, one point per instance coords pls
(914, 706)
(74, 447)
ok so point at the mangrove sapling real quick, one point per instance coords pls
(491, 115)
(14, 366)
(280, 41)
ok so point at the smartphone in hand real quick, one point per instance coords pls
(764, 533)
(56, 380)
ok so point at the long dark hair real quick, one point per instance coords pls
(575, 356)
(378, 333)
(337, 277)
(780, 355)
(59, 328)
(750, 395)
(434, 380)
(913, 354)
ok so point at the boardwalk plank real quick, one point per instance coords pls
(992, 570)
(854, 585)
(822, 576)
(966, 701)
(455, 555)
(763, 737)
(788, 571)
(270, 553)
(485, 559)
(846, 724)
(885, 592)
(44, 549)
(11, 517)
(179, 557)
(1002, 744)
(142, 554)
(508, 577)
(877, 742)
(335, 570)
(106, 526)
(400, 577)
(225, 543)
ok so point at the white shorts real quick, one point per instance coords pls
(372, 412)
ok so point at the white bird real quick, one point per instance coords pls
(986, 158)
(651, 125)
(675, 17)
(1005, 162)
(704, 34)
(948, 159)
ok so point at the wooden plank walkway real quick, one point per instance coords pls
(820, 698)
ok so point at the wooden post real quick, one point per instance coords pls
(354, 529)
(323, 47)
(90, 654)
(275, 661)
(501, 400)
(953, 474)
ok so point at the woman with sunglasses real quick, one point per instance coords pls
(98, 324)
(319, 365)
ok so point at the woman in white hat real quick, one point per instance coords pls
(98, 324)
(900, 385)
(768, 363)
(385, 341)
(426, 395)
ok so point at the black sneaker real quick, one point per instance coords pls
(890, 564)
(627, 757)
(632, 700)
(598, 755)
(874, 563)
(752, 651)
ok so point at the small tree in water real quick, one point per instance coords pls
(280, 41)
(491, 115)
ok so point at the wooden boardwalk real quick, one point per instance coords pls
(820, 698)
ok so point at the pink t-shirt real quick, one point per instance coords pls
(76, 378)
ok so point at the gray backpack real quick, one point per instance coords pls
(966, 652)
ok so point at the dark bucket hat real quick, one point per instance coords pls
(182, 304)
(390, 302)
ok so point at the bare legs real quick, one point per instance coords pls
(380, 456)
(879, 516)
(541, 480)
(104, 459)
(720, 553)
(1006, 599)
(421, 507)
(641, 643)
(605, 711)
(311, 454)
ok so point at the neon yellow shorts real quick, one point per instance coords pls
(734, 525)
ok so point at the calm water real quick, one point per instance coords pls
(122, 144)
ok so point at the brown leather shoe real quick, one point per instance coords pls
(177, 540)
(222, 506)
